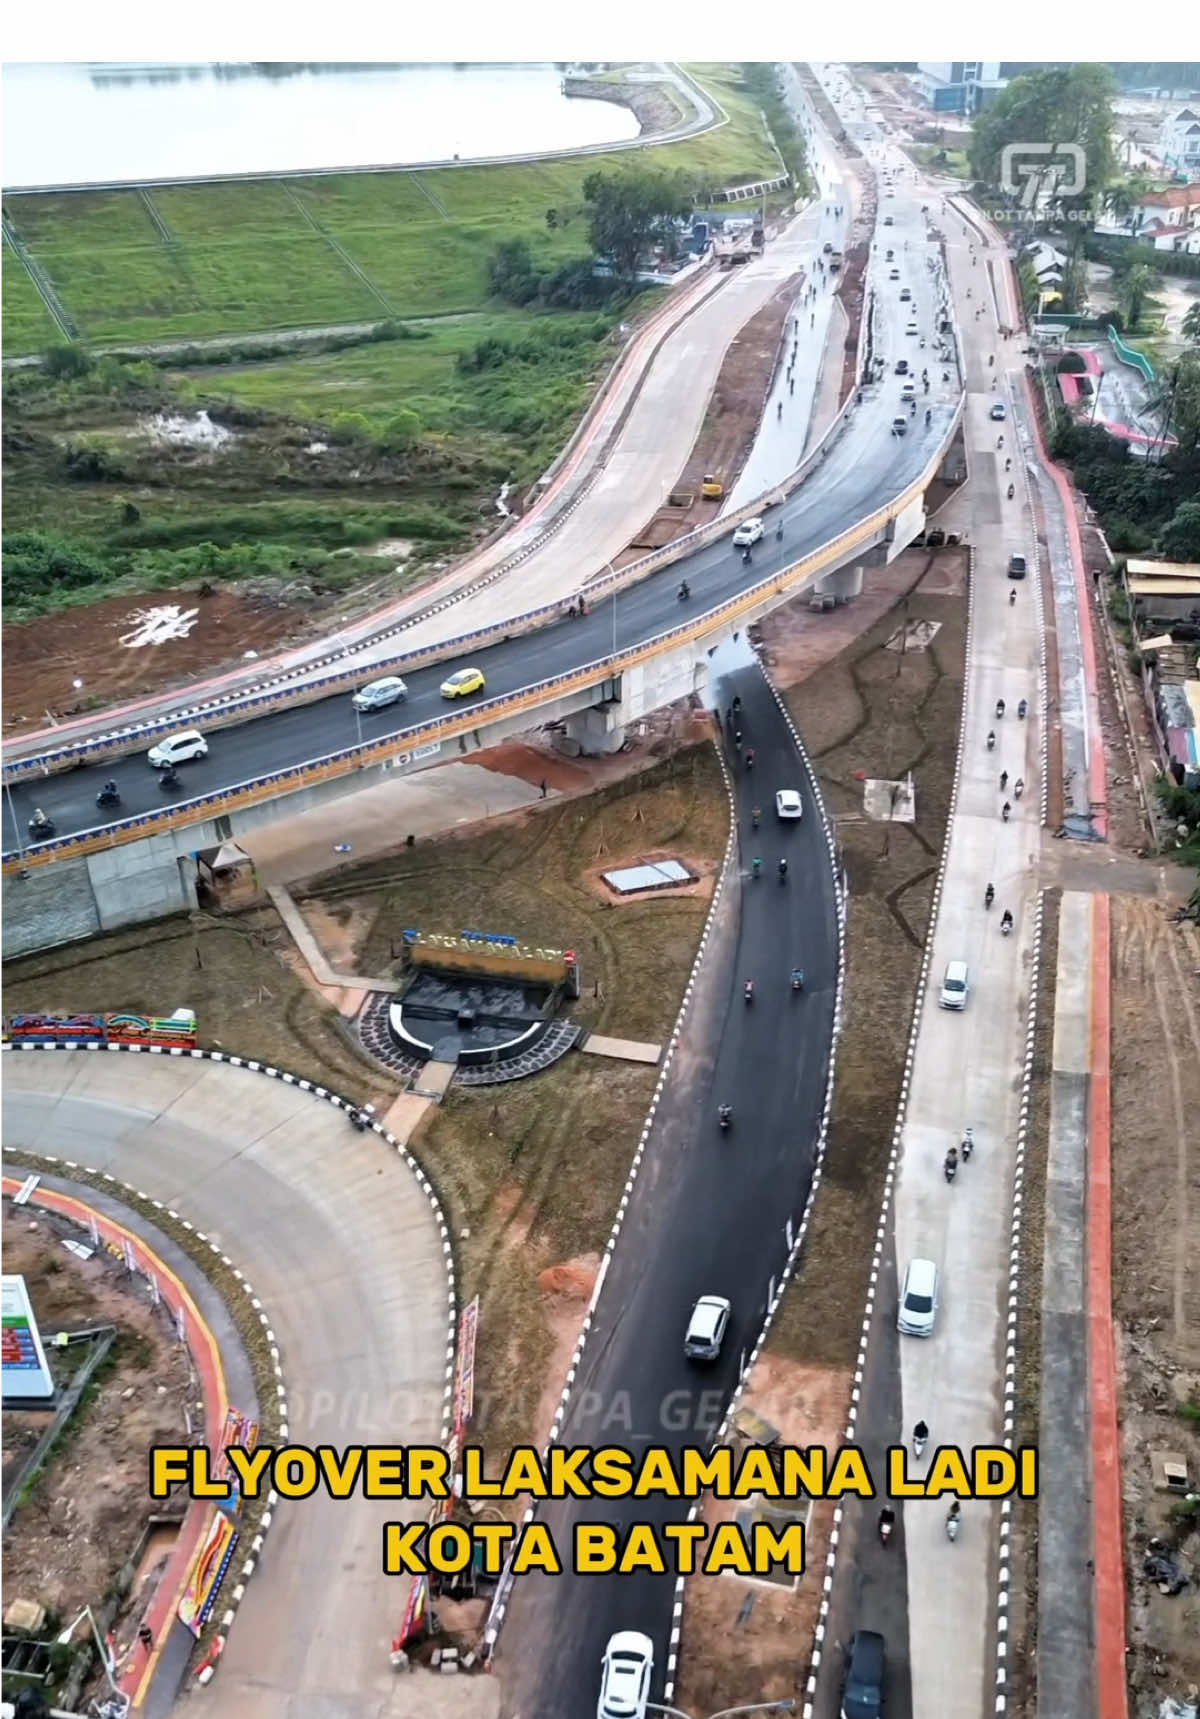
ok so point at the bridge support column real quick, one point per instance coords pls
(592, 733)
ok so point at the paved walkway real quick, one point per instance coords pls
(341, 1244)
(1066, 1684)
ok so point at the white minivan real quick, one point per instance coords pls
(379, 693)
(178, 749)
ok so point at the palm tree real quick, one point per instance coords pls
(1191, 324)
(1134, 291)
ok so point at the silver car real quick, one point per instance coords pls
(377, 694)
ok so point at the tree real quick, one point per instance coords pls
(1056, 105)
(1191, 324)
(67, 361)
(512, 272)
(1180, 537)
(630, 211)
(400, 431)
(1133, 290)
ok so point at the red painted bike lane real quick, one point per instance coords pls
(137, 1667)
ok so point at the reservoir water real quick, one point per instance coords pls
(83, 123)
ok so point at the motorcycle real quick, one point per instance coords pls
(1006, 811)
(968, 1144)
(797, 978)
(782, 869)
(756, 868)
(989, 895)
(1022, 708)
(41, 828)
(361, 1118)
(1006, 924)
(108, 795)
(1011, 492)
(748, 991)
(991, 740)
(999, 707)
(949, 1170)
(684, 592)
(169, 781)
(1018, 787)
(887, 1521)
(920, 1439)
(724, 1117)
(754, 818)
(953, 1517)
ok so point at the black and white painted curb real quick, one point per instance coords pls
(500, 1603)
(339, 1103)
(249, 1564)
(889, 1185)
(1029, 452)
(1012, 1312)
(801, 1230)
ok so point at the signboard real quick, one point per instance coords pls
(24, 1373)
(208, 1572)
(464, 1389)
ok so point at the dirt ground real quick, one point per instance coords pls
(507, 1158)
(735, 1623)
(1156, 1243)
(86, 1513)
(43, 658)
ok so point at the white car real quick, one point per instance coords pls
(918, 1299)
(749, 531)
(625, 1676)
(706, 1328)
(379, 693)
(178, 749)
(788, 803)
(955, 986)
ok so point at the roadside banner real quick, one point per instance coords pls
(414, 1611)
(208, 1572)
(464, 1388)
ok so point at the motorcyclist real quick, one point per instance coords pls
(748, 990)
(1005, 810)
(1003, 780)
(755, 816)
(950, 1162)
(1022, 708)
(736, 705)
(1018, 787)
(1006, 920)
(999, 707)
(887, 1521)
(756, 866)
(797, 978)
(1011, 492)
(782, 870)
(169, 777)
(725, 1114)
(920, 1433)
(928, 416)
(685, 591)
(109, 790)
(989, 895)
(39, 820)
(991, 739)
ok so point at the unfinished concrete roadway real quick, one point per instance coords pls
(342, 1246)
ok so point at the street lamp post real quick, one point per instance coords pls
(64, 1637)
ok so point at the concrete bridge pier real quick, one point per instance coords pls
(592, 733)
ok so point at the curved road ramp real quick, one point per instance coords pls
(345, 1252)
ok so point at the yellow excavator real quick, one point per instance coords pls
(712, 487)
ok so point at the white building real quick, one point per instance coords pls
(1179, 142)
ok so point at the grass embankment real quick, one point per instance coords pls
(533, 1169)
(860, 714)
(266, 254)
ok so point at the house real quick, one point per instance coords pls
(1179, 142)
(1049, 266)
(1164, 606)
(1165, 237)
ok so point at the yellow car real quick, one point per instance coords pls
(463, 682)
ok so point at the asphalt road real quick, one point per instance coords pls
(710, 1219)
(865, 468)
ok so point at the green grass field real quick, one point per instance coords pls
(244, 257)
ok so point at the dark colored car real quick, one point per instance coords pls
(1016, 567)
(862, 1692)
